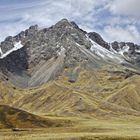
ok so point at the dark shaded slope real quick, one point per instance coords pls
(11, 118)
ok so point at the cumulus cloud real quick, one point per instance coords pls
(111, 18)
(127, 34)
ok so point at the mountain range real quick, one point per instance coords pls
(35, 56)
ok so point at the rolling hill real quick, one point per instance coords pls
(15, 118)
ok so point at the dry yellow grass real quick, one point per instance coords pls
(95, 92)
(99, 103)
(15, 118)
(85, 129)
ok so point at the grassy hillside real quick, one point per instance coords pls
(108, 91)
(98, 104)
(11, 118)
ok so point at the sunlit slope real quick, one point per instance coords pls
(9, 93)
(108, 91)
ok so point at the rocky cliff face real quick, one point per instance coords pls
(35, 56)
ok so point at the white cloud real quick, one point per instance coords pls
(125, 7)
(93, 15)
(127, 34)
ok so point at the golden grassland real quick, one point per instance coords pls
(95, 92)
(101, 104)
(83, 129)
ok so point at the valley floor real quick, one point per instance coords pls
(124, 128)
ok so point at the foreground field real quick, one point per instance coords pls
(83, 129)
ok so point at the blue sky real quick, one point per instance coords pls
(113, 19)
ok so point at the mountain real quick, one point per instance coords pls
(62, 82)
(64, 70)
(35, 56)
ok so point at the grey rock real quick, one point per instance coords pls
(115, 45)
(98, 39)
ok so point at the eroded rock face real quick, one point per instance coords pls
(98, 39)
(46, 52)
(7, 44)
(51, 48)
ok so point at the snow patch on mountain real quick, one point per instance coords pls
(17, 46)
(1, 52)
(111, 49)
(123, 50)
(103, 52)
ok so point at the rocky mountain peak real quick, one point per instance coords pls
(62, 22)
(35, 56)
